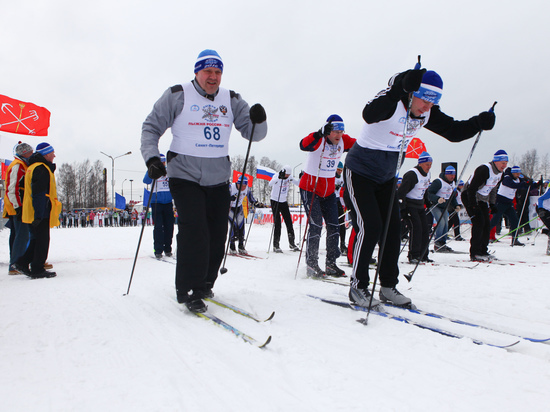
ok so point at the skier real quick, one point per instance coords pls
(200, 114)
(324, 147)
(505, 201)
(40, 210)
(236, 209)
(279, 206)
(479, 197)
(13, 204)
(411, 196)
(439, 192)
(371, 167)
(454, 219)
(163, 216)
(543, 211)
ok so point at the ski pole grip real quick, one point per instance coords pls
(417, 65)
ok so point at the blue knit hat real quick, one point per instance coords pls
(431, 88)
(208, 58)
(461, 183)
(450, 170)
(500, 156)
(44, 148)
(424, 157)
(516, 169)
(162, 158)
(337, 122)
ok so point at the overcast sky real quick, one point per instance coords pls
(100, 66)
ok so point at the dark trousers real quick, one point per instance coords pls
(368, 203)
(454, 222)
(506, 209)
(202, 229)
(39, 246)
(163, 230)
(19, 238)
(321, 208)
(420, 233)
(278, 209)
(481, 229)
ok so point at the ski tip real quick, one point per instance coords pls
(263, 345)
(270, 316)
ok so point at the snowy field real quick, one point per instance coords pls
(75, 343)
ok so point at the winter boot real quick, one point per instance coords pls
(393, 296)
(294, 248)
(158, 255)
(443, 248)
(343, 249)
(334, 271)
(232, 250)
(481, 258)
(42, 275)
(362, 297)
(516, 242)
(195, 304)
(168, 254)
(242, 250)
(314, 271)
(277, 249)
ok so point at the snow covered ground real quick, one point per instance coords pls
(75, 342)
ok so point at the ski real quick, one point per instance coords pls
(241, 256)
(248, 255)
(421, 325)
(172, 261)
(239, 311)
(465, 323)
(223, 324)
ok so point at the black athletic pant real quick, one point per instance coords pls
(163, 231)
(368, 203)
(454, 222)
(278, 209)
(39, 246)
(341, 223)
(481, 229)
(202, 230)
(420, 233)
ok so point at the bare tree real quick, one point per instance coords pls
(81, 185)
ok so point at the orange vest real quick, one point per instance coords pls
(28, 209)
(9, 210)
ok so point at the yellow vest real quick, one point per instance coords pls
(28, 209)
(9, 210)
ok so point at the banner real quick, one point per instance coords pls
(120, 202)
(415, 148)
(23, 118)
(5, 165)
(145, 197)
(264, 173)
(237, 174)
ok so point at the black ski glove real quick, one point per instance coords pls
(257, 114)
(155, 168)
(282, 174)
(18, 211)
(486, 120)
(412, 80)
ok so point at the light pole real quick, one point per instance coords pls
(113, 172)
(131, 192)
(123, 186)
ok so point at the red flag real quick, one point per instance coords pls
(4, 169)
(415, 148)
(23, 118)
(237, 174)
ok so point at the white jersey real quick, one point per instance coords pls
(506, 191)
(491, 182)
(280, 187)
(446, 189)
(329, 163)
(420, 188)
(388, 135)
(203, 127)
(234, 188)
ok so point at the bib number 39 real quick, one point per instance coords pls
(209, 133)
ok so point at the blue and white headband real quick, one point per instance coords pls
(424, 158)
(431, 88)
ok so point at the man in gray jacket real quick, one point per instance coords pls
(200, 114)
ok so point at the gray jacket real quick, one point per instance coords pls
(204, 171)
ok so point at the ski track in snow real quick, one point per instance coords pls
(75, 342)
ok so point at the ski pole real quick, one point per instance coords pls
(140, 237)
(410, 275)
(519, 227)
(521, 215)
(223, 269)
(382, 243)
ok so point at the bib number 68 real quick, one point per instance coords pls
(215, 132)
